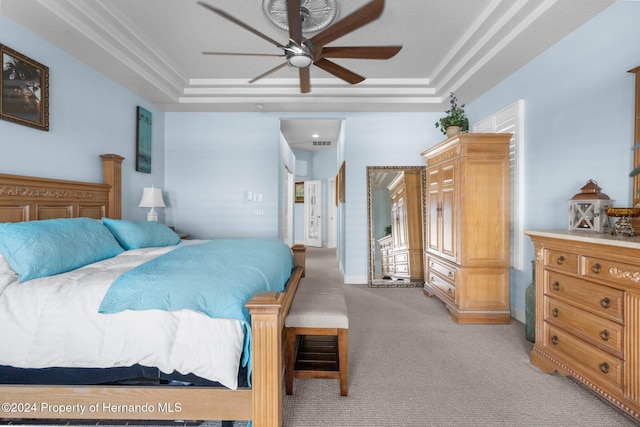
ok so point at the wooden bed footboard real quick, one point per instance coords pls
(262, 403)
(28, 198)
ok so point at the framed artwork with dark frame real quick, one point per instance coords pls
(299, 192)
(143, 140)
(25, 90)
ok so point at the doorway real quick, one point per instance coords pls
(313, 213)
(314, 146)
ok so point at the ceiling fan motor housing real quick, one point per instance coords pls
(299, 55)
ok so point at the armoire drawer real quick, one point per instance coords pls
(595, 364)
(599, 299)
(442, 284)
(606, 334)
(561, 260)
(442, 269)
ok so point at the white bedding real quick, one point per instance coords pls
(54, 322)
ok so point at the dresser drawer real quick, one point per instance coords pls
(599, 299)
(442, 269)
(595, 364)
(614, 272)
(604, 333)
(401, 268)
(560, 260)
(442, 284)
(401, 257)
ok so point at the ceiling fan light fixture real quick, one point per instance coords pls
(299, 55)
(299, 61)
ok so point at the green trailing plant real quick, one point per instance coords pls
(387, 230)
(455, 116)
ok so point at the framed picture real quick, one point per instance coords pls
(25, 90)
(299, 192)
(143, 140)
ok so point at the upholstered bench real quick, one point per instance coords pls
(316, 332)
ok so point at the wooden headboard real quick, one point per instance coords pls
(24, 198)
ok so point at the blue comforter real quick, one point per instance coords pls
(216, 278)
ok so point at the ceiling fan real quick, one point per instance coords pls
(301, 53)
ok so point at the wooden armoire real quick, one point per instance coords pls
(406, 225)
(467, 226)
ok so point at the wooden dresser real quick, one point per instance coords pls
(588, 312)
(386, 256)
(406, 225)
(467, 226)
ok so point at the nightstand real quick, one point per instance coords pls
(184, 236)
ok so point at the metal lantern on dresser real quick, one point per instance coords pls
(588, 209)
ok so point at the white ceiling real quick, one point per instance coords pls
(154, 48)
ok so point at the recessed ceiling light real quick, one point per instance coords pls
(315, 135)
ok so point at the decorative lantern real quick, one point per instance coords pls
(588, 209)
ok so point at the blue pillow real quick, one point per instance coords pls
(135, 235)
(43, 248)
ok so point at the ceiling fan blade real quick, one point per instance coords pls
(305, 80)
(367, 13)
(265, 74)
(360, 52)
(339, 71)
(294, 20)
(243, 54)
(240, 23)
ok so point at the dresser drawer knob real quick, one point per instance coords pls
(604, 367)
(605, 302)
(450, 274)
(432, 279)
(450, 290)
(555, 312)
(556, 286)
(560, 260)
(554, 340)
(596, 268)
(604, 334)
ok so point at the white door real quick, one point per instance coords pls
(312, 213)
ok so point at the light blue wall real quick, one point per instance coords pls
(89, 115)
(212, 160)
(579, 103)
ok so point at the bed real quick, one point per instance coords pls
(24, 199)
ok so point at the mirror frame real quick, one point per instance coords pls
(635, 196)
(370, 172)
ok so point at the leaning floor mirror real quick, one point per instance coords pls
(395, 204)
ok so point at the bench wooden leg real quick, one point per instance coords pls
(290, 358)
(343, 360)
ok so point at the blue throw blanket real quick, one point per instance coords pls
(216, 278)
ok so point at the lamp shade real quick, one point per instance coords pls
(152, 198)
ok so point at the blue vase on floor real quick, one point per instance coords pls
(530, 307)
